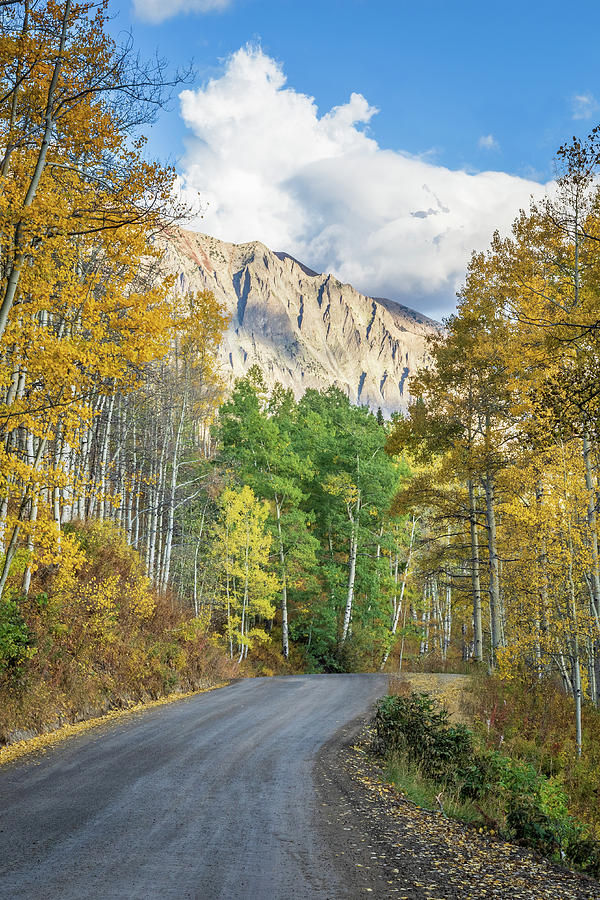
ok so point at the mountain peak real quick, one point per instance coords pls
(310, 272)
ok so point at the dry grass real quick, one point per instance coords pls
(450, 690)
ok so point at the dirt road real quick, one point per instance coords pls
(209, 798)
(263, 790)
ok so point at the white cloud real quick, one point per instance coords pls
(269, 167)
(158, 10)
(488, 142)
(584, 106)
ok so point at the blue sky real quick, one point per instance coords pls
(458, 88)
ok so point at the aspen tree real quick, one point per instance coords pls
(241, 554)
(80, 321)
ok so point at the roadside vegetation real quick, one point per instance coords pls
(521, 789)
(96, 638)
(504, 443)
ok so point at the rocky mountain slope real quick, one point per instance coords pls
(302, 328)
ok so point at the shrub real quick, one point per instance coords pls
(15, 638)
(92, 634)
(584, 852)
(418, 726)
(528, 824)
(531, 719)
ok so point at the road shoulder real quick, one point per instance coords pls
(39, 743)
(386, 847)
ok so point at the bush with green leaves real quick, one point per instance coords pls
(418, 726)
(532, 807)
(15, 638)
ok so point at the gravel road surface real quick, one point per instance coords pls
(213, 797)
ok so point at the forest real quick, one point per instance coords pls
(160, 531)
(504, 438)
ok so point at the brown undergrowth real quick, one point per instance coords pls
(532, 720)
(450, 689)
(94, 637)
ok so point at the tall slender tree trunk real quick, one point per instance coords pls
(426, 617)
(351, 575)
(592, 519)
(399, 603)
(475, 576)
(401, 657)
(103, 482)
(495, 602)
(245, 599)
(12, 544)
(33, 512)
(166, 568)
(573, 624)
(285, 639)
(447, 630)
(196, 552)
(541, 623)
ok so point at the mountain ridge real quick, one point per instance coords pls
(303, 328)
